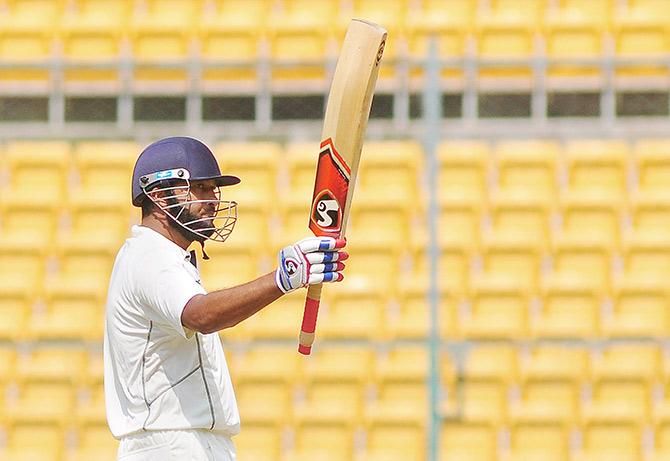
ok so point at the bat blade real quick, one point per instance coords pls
(347, 113)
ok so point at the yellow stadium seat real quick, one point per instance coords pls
(314, 441)
(256, 165)
(628, 362)
(506, 31)
(641, 31)
(90, 411)
(230, 264)
(95, 224)
(449, 21)
(395, 442)
(390, 14)
(453, 264)
(105, 170)
(380, 218)
(52, 364)
(556, 363)
(646, 260)
(42, 403)
(331, 402)
(464, 169)
(597, 167)
(510, 263)
(367, 258)
(403, 364)
(34, 442)
(305, 11)
(294, 216)
(614, 400)
(483, 402)
(15, 309)
(22, 268)
(281, 320)
(468, 441)
(338, 364)
(300, 160)
(640, 309)
(94, 442)
(38, 170)
(539, 441)
(610, 441)
(301, 33)
(497, 311)
(7, 364)
(258, 442)
(267, 364)
(336, 378)
(554, 402)
(92, 34)
(568, 312)
(497, 363)
(27, 29)
(399, 402)
(253, 222)
(520, 216)
(30, 222)
(527, 167)
(653, 165)
(577, 262)
(264, 402)
(460, 222)
(650, 213)
(412, 318)
(95, 370)
(576, 30)
(230, 34)
(353, 314)
(161, 32)
(662, 437)
(68, 315)
(390, 167)
(588, 218)
(82, 268)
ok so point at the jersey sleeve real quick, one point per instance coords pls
(167, 291)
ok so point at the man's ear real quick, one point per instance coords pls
(158, 197)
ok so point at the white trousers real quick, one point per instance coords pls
(186, 445)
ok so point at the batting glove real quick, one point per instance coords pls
(311, 261)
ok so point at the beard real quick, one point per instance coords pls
(189, 222)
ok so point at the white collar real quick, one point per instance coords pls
(142, 231)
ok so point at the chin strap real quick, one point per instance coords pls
(204, 255)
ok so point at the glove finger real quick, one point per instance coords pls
(328, 267)
(312, 244)
(326, 257)
(326, 277)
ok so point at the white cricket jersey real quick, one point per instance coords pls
(160, 375)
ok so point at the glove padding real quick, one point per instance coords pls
(310, 261)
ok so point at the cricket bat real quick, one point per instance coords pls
(347, 113)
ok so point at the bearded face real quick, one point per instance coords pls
(197, 211)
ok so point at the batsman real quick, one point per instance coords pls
(168, 392)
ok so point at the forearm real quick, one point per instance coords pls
(226, 308)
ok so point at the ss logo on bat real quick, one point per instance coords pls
(327, 213)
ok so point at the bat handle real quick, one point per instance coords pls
(309, 319)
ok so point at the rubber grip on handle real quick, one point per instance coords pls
(309, 319)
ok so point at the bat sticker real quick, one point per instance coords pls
(327, 212)
(330, 192)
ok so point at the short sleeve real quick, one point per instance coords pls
(168, 290)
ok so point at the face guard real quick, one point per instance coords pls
(175, 185)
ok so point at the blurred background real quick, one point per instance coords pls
(514, 187)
